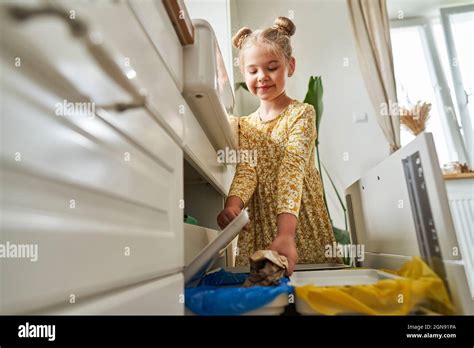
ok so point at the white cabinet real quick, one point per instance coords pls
(154, 52)
(157, 61)
(121, 37)
(154, 20)
(96, 192)
(156, 297)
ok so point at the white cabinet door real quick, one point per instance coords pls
(156, 297)
(115, 27)
(157, 63)
(91, 206)
(154, 19)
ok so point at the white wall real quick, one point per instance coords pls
(322, 41)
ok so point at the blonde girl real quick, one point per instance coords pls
(283, 191)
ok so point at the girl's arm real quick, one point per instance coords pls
(302, 136)
(242, 187)
(245, 178)
(234, 201)
(284, 242)
(290, 182)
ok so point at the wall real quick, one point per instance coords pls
(322, 42)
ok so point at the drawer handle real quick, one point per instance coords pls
(120, 74)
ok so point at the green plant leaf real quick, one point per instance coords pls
(314, 96)
(341, 236)
(241, 85)
(322, 182)
(338, 195)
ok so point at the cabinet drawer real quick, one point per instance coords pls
(49, 38)
(156, 297)
(102, 209)
(158, 27)
(153, 74)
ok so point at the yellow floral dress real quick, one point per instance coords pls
(283, 179)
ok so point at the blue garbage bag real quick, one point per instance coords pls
(210, 297)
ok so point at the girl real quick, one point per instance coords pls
(283, 191)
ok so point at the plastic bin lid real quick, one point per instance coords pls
(210, 253)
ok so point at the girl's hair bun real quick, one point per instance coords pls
(285, 24)
(240, 37)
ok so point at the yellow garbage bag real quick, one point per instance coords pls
(419, 285)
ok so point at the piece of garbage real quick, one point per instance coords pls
(267, 267)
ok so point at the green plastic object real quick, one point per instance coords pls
(188, 219)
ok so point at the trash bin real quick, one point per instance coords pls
(220, 292)
(371, 292)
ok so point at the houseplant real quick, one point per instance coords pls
(314, 96)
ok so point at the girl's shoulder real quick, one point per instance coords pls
(247, 119)
(300, 110)
(298, 107)
(244, 124)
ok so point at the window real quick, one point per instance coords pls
(414, 84)
(434, 64)
(458, 29)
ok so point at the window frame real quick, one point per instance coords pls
(459, 90)
(454, 139)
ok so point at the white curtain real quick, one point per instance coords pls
(371, 30)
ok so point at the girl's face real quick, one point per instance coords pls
(265, 73)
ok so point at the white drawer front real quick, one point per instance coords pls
(155, 21)
(121, 29)
(102, 209)
(156, 297)
(124, 40)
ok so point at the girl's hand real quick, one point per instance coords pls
(284, 244)
(227, 215)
